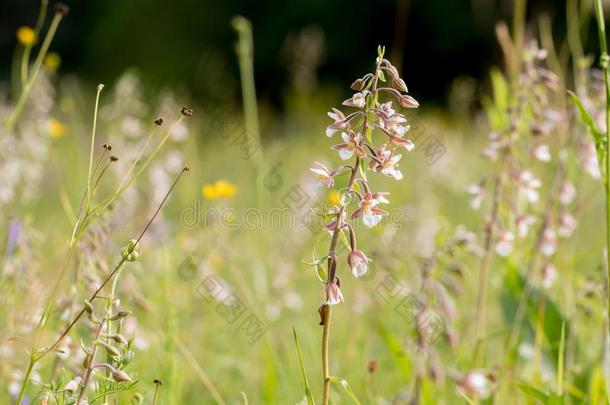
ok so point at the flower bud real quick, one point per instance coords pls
(358, 85)
(333, 294)
(400, 84)
(475, 383)
(407, 101)
(72, 385)
(131, 244)
(117, 338)
(357, 261)
(109, 348)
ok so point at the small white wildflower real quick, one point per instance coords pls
(567, 193)
(504, 246)
(567, 225)
(542, 153)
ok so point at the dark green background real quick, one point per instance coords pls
(188, 44)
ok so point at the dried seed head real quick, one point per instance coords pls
(322, 312)
(358, 85)
(158, 122)
(186, 168)
(187, 112)
(107, 146)
(113, 158)
(62, 9)
(157, 381)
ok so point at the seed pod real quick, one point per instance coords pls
(109, 348)
(186, 112)
(133, 256)
(120, 376)
(121, 314)
(132, 244)
(117, 338)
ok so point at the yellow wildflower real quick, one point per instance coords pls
(52, 61)
(225, 189)
(219, 189)
(334, 198)
(26, 36)
(56, 128)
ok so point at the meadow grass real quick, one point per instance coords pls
(124, 275)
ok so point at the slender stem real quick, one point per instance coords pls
(90, 360)
(332, 259)
(518, 33)
(245, 53)
(483, 273)
(26, 378)
(129, 180)
(605, 60)
(154, 401)
(117, 267)
(331, 279)
(89, 369)
(12, 120)
(89, 179)
(538, 340)
(325, 339)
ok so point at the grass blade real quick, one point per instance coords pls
(308, 394)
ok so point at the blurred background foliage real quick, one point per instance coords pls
(189, 44)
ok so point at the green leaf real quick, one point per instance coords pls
(395, 346)
(362, 169)
(560, 360)
(533, 392)
(497, 106)
(308, 393)
(587, 118)
(345, 241)
(346, 388)
(369, 134)
(514, 283)
(321, 273)
(597, 135)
